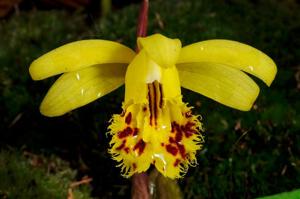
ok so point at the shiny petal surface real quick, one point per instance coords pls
(164, 51)
(75, 89)
(78, 55)
(231, 53)
(221, 83)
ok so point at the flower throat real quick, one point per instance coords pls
(155, 99)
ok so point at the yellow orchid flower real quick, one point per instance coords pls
(155, 127)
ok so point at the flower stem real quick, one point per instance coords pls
(143, 19)
(140, 181)
(140, 186)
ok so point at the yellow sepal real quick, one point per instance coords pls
(233, 54)
(75, 89)
(164, 51)
(226, 85)
(78, 55)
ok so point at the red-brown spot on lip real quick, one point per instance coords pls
(121, 146)
(144, 108)
(162, 144)
(181, 150)
(134, 166)
(126, 132)
(176, 163)
(127, 150)
(128, 118)
(175, 127)
(178, 136)
(172, 127)
(187, 129)
(189, 125)
(171, 140)
(188, 133)
(172, 149)
(135, 131)
(140, 146)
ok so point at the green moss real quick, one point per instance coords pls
(43, 178)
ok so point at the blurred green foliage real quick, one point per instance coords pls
(286, 195)
(246, 155)
(36, 177)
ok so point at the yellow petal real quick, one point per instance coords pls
(221, 83)
(75, 89)
(78, 55)
(164, 51)
(231, 53)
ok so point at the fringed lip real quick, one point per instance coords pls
(162, 132)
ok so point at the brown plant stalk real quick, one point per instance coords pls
(140, 181)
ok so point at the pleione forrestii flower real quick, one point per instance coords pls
(155, 126)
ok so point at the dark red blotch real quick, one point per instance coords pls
(128, 118)
(176, 163)
(126, 132)
(175, 142)
(121, 146)
(172, 149)
(140, 146)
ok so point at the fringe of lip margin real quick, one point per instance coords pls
(139, 141)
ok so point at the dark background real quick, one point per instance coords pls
(246, 154)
